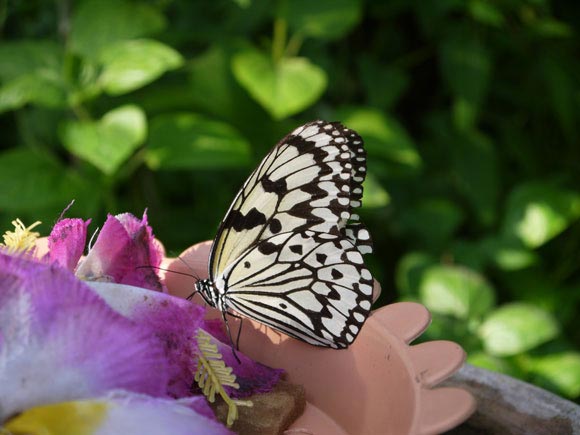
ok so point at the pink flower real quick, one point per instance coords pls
(175, 322)
(125, 251)
(60, 341)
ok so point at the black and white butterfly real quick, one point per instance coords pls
(288, 252)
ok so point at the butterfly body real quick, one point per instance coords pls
(289, 251)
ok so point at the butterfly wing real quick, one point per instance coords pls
(311, 286)
(311, 180)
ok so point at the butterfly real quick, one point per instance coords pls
(289, 251)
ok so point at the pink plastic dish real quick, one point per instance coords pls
(379, 385)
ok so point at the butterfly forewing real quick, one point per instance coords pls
(304, 183)
(288, 253)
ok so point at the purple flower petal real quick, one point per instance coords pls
(61, 341)
(176, 321)
(121, 412)
(251, 376)
(125, 252)
(66, 242)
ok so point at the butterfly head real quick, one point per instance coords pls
(208, 292)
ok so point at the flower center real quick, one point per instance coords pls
(21, 239)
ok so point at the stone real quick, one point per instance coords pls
(272, 412)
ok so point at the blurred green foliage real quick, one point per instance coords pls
(469, 109)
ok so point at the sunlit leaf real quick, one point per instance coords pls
(283, 88)
(37, 88)
(538, 212)
(559, 372)
(490, 362)
(109, 142)
(516, 328)
(456, 291)
(187, 140)
(374, 194)
(129, 65)
(410, 272)
(508, 254)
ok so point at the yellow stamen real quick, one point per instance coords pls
(212, 375)
(21, 239)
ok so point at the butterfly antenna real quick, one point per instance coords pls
(193, 274)
(230, 337)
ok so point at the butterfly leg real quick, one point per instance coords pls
(225, 319)
(241, 319)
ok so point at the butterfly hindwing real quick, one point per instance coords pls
(311, 286)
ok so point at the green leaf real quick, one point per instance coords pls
(31, 72)
(515, 328)
(560, 85)
(538, 212)
(508, 255)
(32, 181)
(486, 12)
(432, 220)
(494, 363)
(410, 272)
(384, 85)
(456, 291)
(324, 19)
(18, 58)
(99, 23)
(559, 372)
(187, 140)
(384, 137)
(475, 165)
(37, 88)
(284, 88)
(109, 142)
(215, 90)
(465, 66)
(374, 196)
(129, 65)
(552, 28)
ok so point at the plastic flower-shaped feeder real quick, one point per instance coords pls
(379, 385)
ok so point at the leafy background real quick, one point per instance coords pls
(469, 109)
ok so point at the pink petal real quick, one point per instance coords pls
(66, 242)
(252, 376)
(60, 341)
(125, 252)
(120, 412)
(176, 321)
(132, 413)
